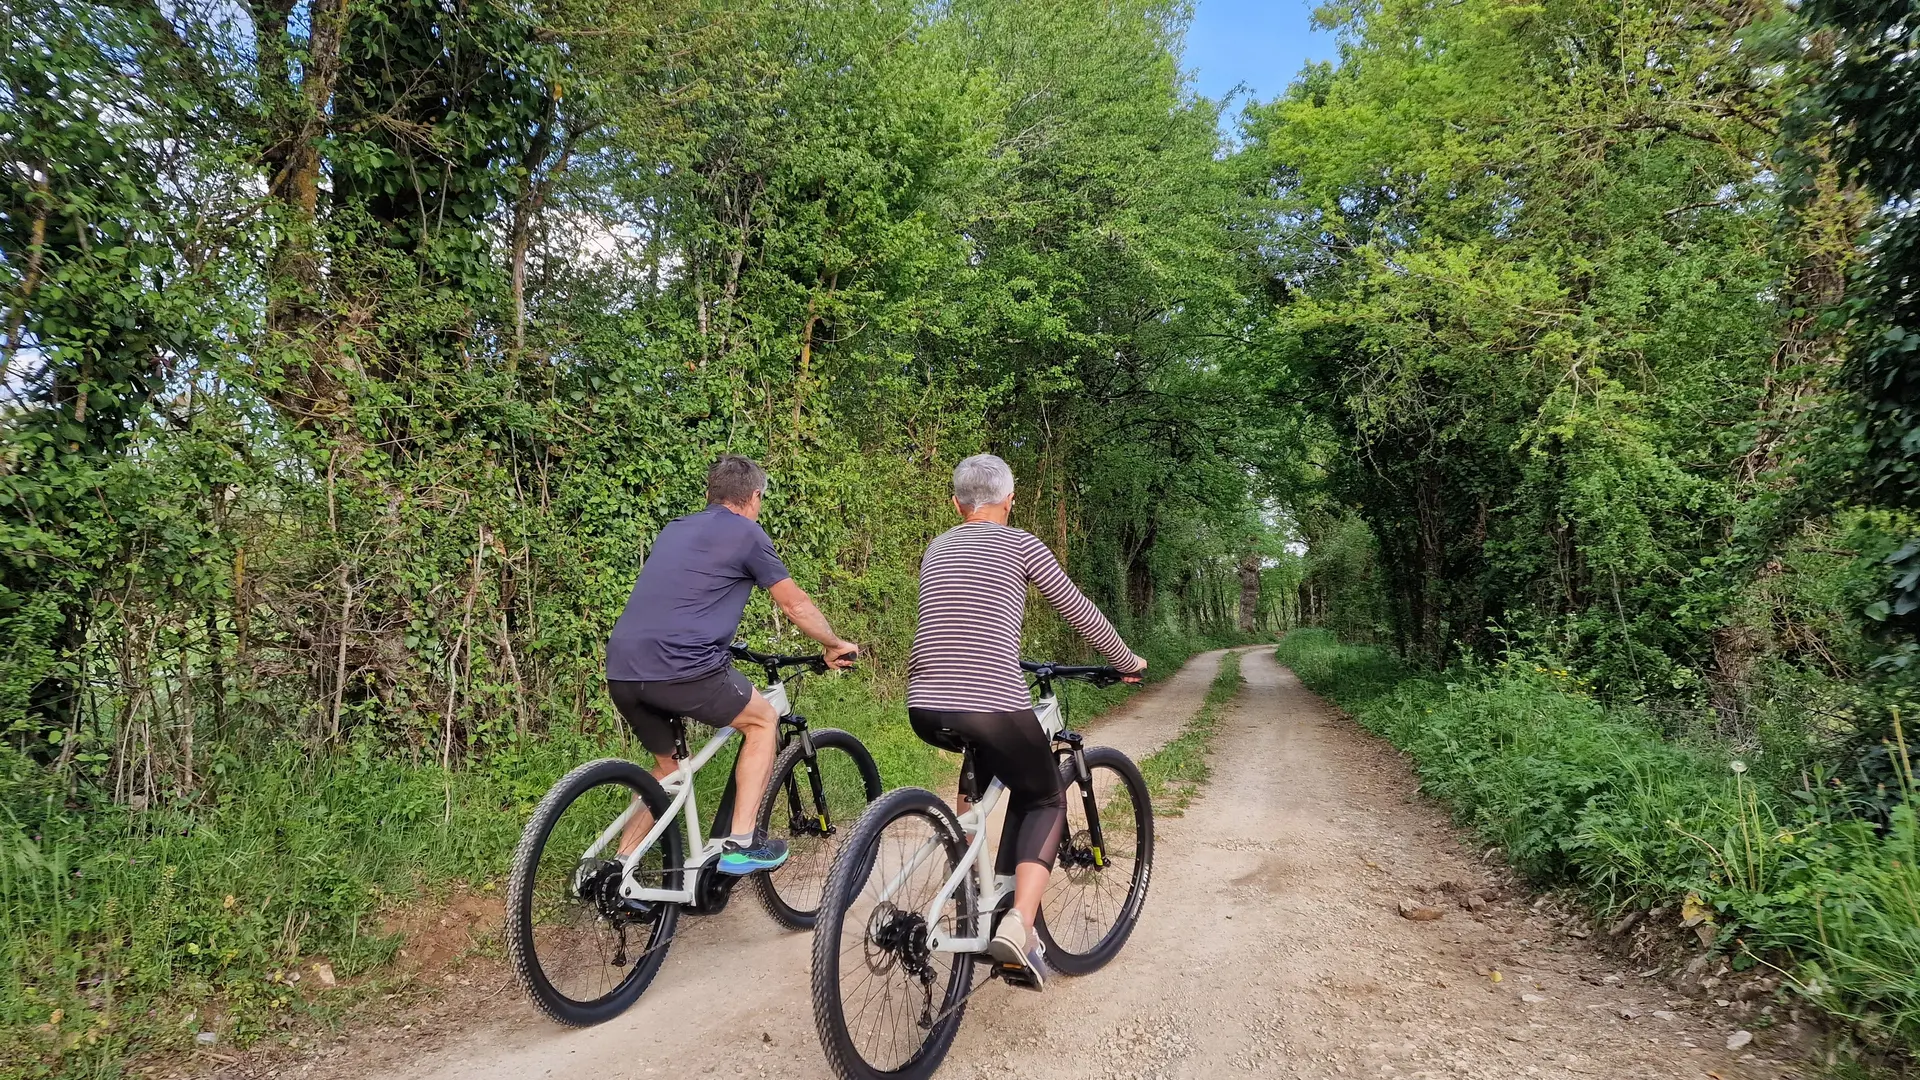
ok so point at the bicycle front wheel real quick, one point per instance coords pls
(583, 952)
(886, 1006)
(812, 803)
(1097, 890)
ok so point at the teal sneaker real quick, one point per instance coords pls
(767, 854)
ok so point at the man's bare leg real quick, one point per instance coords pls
(757, 724)
(642, 819)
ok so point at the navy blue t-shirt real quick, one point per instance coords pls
(686, 606)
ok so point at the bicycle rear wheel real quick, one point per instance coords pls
(583, 952)
(1097, 891)
(884, 1005)
(812, 804)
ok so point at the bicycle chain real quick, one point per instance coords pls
(927, 1021)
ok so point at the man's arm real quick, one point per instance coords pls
(806, 615)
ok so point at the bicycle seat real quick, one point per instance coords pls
(946, 739)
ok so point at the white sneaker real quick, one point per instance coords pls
(1019, 953)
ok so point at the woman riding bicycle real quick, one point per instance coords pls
(965, 685)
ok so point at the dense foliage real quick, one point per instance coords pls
(1558, 324)
(1868, 91)
(354, 350)
(357, 351)
(1593, 331)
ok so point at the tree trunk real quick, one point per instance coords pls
(1249, 591)
(1430, 547)
(1139, 543)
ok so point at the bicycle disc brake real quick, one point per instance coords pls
(1076, 856)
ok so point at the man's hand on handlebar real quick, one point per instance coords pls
(842, 655)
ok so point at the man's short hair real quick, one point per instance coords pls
(980, 480)
(734, 480)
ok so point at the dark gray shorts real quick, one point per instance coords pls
(650, 708)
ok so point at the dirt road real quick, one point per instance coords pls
(1272, 944)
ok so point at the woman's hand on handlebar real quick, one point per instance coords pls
(842, 655)
(1138, 673)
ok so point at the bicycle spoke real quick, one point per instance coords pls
(814, 834)
(887, 978)
(584, 953)
(1084, 902)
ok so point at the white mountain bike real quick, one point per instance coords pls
(588, 927)
(909, 905)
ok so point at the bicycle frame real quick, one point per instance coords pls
(973, 824)
(679, 785)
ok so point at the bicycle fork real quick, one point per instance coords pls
(1083, 779)
(810, 764)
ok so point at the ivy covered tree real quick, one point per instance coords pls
(361, 351)
(1867, 89)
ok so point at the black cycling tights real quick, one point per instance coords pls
(1011, 747)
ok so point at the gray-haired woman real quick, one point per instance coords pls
(964, 681)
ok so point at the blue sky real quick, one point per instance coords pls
(1261, 43)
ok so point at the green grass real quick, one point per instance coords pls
(1590, 797)
(123, 934)
(1176, 772)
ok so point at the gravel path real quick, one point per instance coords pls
(1272, 944)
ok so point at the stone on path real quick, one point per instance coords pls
(1418, 912)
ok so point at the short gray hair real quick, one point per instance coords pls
(734, 480)
(980, 480)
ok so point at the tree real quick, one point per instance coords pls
(1868, 94)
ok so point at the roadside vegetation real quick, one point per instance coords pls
(1815, 876)
(1177, 772)
(1606, 394)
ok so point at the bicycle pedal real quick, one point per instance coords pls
(1017, 975)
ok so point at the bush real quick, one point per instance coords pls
(1591, 797)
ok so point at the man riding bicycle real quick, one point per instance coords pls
(964, 682)
(668, 654)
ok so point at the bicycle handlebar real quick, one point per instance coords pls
(816, 662)
(1097, 674)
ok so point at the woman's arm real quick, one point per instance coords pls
(1072, 604)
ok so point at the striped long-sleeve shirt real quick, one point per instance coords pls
(973, 593)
